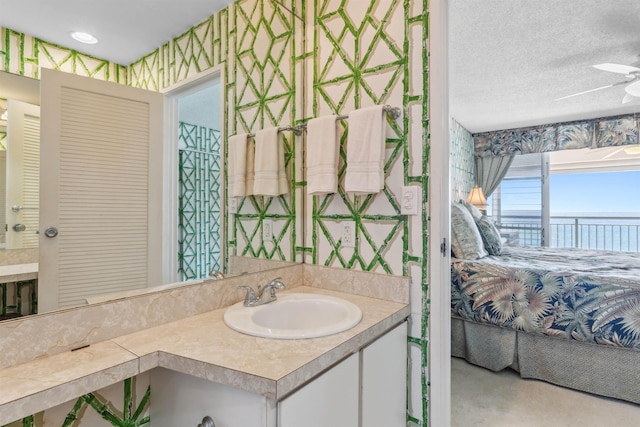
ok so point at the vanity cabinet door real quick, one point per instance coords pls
(182, 400)
(384, 380)
(332, 399)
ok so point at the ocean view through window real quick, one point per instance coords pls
(595, 208)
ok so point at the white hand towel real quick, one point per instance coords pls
(270, 173)
(322, 155)
(251, 175)
(237, 165)
(365, 151)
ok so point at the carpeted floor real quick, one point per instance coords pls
(484, 398)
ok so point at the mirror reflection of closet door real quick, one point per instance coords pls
(23, 165)
(100, 189)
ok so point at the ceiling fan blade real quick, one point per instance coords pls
(591, 90)
(633, 89)
(616, 68)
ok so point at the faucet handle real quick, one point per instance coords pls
(271, 287)
(250, 298)
(216, 274)
(277, 283)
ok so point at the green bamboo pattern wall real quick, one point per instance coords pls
(254, 42)
(24, 55)
(98, 408)
(264, 95)
(199, 201)
(367, 53)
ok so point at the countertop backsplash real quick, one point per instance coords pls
(26, 339)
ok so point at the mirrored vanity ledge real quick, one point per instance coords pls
(18, 272)
(182, 329)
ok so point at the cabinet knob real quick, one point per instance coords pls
(207, 422)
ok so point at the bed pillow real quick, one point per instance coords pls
(475, 212)
(490, 235)
(466, 242)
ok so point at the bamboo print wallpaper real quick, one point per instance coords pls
(366, 53)
(24, 55)
(199, 204)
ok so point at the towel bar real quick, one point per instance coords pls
(394, 112)
(295, 129)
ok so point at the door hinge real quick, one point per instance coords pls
(443, 247)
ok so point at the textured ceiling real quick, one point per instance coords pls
(126, 29)
(509, 60)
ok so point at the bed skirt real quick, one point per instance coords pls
(601, 370)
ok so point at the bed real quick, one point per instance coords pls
(567, 316)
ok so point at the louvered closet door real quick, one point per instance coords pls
(101, 188)
(23, 165)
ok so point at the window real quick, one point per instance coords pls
(571, 198)
(516, 205)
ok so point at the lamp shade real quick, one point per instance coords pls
(477, 199)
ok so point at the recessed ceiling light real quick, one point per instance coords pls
(84, 37)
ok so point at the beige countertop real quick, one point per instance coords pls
(18, 272)
(200, 345)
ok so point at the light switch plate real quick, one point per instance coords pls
(410, 200)
(267, 230)
(233, 205)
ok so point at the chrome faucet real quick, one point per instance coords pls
(216, 275)
(207, 422)
(266, 293)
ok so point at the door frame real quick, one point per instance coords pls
(439, 225)
(170, 165)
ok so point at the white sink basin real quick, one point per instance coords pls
(294, 316)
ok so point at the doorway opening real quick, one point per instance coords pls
(196, 153)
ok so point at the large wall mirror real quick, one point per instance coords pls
(239, 242)
(19, 162)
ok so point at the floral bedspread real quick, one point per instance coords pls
(585, 295)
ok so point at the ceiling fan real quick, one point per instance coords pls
(633, 81)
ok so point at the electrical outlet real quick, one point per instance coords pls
(348, 234)
(233, 205)
(267, 230)
(409, 200)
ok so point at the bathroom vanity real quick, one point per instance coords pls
(366, 388)
(199, 367)
(207, 369)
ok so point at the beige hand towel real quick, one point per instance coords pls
(322, 155)
(237, 146)
(365, 151)
(270, 173)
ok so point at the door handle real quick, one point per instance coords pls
(19, 227)
(51, 232)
